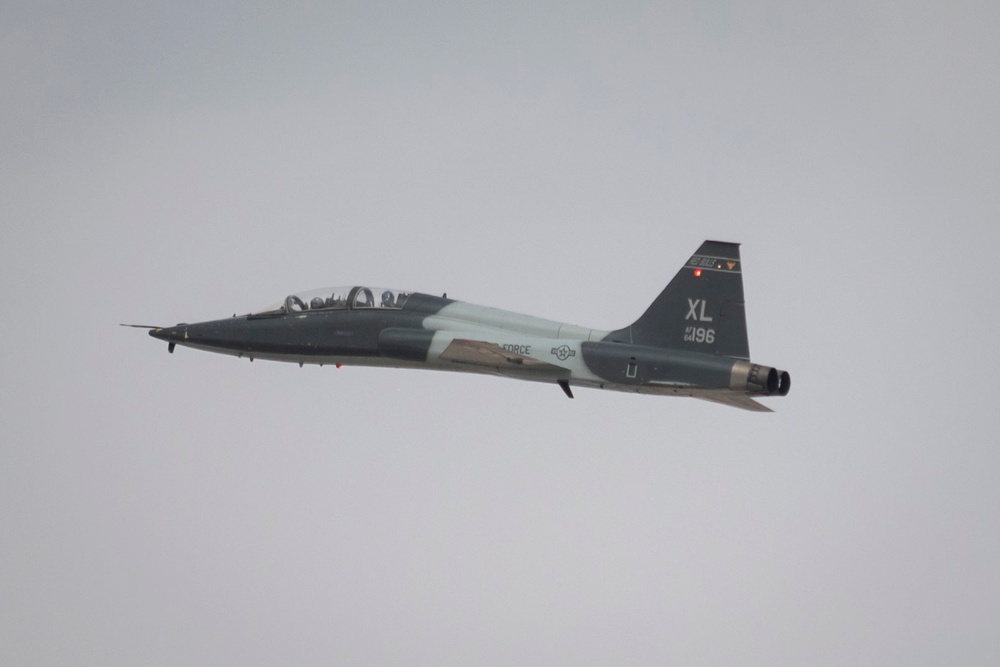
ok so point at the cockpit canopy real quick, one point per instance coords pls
(338, 298)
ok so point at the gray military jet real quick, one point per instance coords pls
(691, 341)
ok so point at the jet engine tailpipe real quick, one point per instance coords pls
(784, 383)
(763, 379)
(757, 379)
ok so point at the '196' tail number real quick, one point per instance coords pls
(699, 335)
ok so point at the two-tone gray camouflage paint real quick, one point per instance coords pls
(691, 341)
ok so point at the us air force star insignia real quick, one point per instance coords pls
(563, 352)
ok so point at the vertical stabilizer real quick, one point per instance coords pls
(701, 310)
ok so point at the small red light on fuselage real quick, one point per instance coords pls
(697, 273)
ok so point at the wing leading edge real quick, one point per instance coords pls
(491, 356)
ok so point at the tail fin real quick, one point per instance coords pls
(701, 310)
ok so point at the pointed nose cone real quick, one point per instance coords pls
(228, 335)
(169, 334)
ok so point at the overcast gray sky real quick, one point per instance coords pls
(181, 162)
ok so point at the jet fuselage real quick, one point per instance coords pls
(691, 341)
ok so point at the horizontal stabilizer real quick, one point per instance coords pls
(741, 401)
